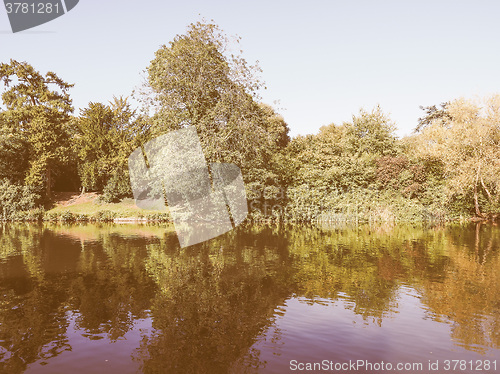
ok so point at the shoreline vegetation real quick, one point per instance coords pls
(89, 208)
(356, 171)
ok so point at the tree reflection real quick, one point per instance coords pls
(215, 299)
(45, 278)
(32, 313)
(211, 302)
(468, 296)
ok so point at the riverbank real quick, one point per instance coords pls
(75, 207)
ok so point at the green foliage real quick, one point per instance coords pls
(82, 217)
(38, 109)
(117, 187)
(15, 198)
(192, 75)
(104, 216)
(195, 81)
(103, 137)
(466, 141)
(14, 156)
(35, 215)
(355, 171)
(371, 133)
(159, 217)
(51, 216)
(94, 146)
(67, 217)
(433, 114)
(335, 170)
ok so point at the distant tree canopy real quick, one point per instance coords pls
(343, 157)
(339, 160)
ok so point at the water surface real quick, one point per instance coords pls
(127, 299)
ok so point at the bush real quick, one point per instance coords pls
(67, 217)
(104, 216)
(117, 188)
(15, 154)
(82, 218)
(158, 217)
(15, 198)
(35, 215)
(19, 216)
(51, 217)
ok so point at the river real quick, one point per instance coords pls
(259, 299)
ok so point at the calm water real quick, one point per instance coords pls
(127, 299)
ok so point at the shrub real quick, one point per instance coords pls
(67, 217)
(15, 198)
(51, 217)
(117, 188)
(104, 216)
(157, 217)
(19, 216)
(82, 217)
(35, 215)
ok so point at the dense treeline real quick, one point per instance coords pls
(358, 170)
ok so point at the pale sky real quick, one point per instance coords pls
(323, 60)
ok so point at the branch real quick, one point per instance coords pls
(487, 192)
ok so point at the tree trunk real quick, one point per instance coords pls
(49, 182)
(487, 192)
(476, 203)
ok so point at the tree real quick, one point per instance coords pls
(103, 137)
(336, 170)
(433, 113)
(94, 145)
(371, 132)
(344, 157)
(38, 108)
(468, 143)
(192, 75)
(195, 81)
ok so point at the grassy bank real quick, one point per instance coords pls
(88, 208)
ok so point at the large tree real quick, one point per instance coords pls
(194, 80)
(467, 140)
(103, 136)
(38, 108)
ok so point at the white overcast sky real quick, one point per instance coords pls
(323, 60)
